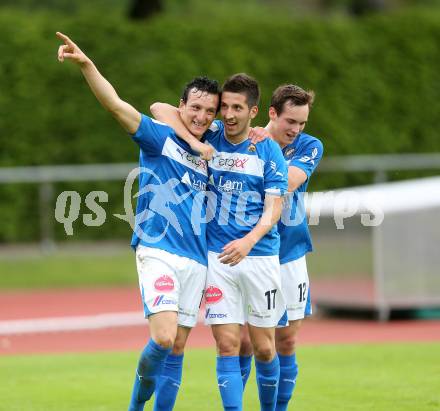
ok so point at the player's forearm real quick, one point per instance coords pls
(270, 216)
(101, 88)
(296, 177)
(124, 113)
(170, 115)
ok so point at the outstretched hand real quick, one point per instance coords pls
(69, 50)
(258, 134)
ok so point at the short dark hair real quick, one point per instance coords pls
(292, 94)
(244, 84)
(201, 84)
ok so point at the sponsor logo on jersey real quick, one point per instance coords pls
(289, 153)
(226, 185)
(213, 295)
(232, 163)
(164, 283)
(209, 314)
(161, 300)
(194, 182)
(238, 163)
(195, 160)
(310, 159)
(172, 150)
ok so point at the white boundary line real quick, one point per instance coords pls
(86, 322)
(76, 323)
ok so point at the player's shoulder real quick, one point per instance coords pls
(152, 123)
(216, 126)
(267, 148)
(307, 140)
(214, 132)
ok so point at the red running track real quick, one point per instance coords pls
(66, 304)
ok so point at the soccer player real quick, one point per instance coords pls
(247, 182)
(288, 114)
(171, 250)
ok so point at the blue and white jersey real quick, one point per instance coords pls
(171, 204)
(305, 153)
(240, 175)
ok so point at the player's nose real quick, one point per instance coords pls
(228, 114)
(201, 117)
(296, 128)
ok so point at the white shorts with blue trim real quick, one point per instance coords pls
(169, 282)
(295, 286)
(248, 292)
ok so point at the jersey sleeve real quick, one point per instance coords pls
(308, 157)
(275, 170)
(151, 135)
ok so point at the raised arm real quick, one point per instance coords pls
(124, 113)
(236, 250)
(170, 115)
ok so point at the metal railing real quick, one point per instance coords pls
(46, 176)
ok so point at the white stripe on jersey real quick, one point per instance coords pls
(179, 154)
(237, 163)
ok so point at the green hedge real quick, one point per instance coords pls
(377, 83)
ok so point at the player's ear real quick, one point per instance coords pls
(181, 105)
(254, 111)
(272, 113)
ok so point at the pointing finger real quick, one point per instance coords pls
(65, 38)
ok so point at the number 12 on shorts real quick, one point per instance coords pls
(270, 295)
(302, 292)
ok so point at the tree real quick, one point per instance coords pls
(143, 9)
(360, 7)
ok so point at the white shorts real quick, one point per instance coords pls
(295, 286)
(169, 282)
(249, 291)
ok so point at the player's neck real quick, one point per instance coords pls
(273, 132)
(239, 138)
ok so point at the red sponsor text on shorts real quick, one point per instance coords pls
(213, 295)
(164, 283)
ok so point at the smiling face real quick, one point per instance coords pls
(289, 123)
(199, 111)
(237, 115)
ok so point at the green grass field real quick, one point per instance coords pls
(108, 266)
(388, 377)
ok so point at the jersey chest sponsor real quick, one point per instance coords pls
(238, 163)
(175, 152)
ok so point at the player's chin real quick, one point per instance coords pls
(288, 139)
(198, 131)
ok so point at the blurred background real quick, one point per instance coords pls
(374, 65)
